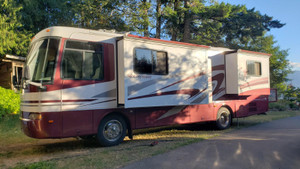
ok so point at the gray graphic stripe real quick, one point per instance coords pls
(171, 112)
(110, 93)
(137, 87)
(201, 98)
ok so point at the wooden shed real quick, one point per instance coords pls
(11, 66)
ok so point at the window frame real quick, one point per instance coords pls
(255, 73)
(152, 73)
(84, 51)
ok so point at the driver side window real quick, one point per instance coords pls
(82, 61)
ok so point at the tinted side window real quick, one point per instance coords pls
(160, 63)
(150, 62)
(72, 64)
(93, 66)
(253, 68)
(84, 45)
(143, 61)
(84, 62)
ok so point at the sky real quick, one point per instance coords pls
(286, 11)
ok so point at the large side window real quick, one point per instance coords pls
(150, 62)
(82, 60)
(253, 68)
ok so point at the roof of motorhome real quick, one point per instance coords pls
(167, 41)
(196, 45)
(66, 32)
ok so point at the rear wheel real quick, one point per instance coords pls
(223, 118)
(111, 131)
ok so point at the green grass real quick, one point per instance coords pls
(28, 153)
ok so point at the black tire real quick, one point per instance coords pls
(223, 119)
(111, 131)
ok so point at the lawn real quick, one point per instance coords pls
(20, 151)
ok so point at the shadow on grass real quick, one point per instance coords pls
(207, 126)
(92, 143)
(143, 137)
(165, 134)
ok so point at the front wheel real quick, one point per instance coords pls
(111, 131)
(223, 118)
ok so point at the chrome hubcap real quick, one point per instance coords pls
(224, 119)
(112, 130)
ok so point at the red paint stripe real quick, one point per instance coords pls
(255, 82)
(82, 100)
(64, 101)
(167, 41)
(260, 53)
(265, 91)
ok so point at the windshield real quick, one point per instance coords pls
(41, 60)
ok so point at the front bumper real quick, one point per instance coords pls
(45, 127)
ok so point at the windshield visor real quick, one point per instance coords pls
(41, 60)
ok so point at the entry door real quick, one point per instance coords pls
(81, 69)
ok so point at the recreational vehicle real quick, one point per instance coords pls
(81, 82)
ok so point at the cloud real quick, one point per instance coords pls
(295, 65)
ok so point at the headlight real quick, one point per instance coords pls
(35, 116)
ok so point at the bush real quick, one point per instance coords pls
(9, 102)
(281, 105)
(293, 106)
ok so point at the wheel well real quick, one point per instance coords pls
(229, 108)
(219, 120)
(129, 129)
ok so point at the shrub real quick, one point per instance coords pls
(281, 105)
(293, 106)
(9, 102)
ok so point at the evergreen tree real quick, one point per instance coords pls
(99, 14)
(13, 39)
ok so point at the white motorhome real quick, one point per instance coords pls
(82, 82)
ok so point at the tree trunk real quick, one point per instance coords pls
(176, 25)
(146, 20)
(158, 18)
(187, 22)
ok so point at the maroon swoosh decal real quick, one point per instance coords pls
(218, 67)
(191, 92)
(219, 78)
